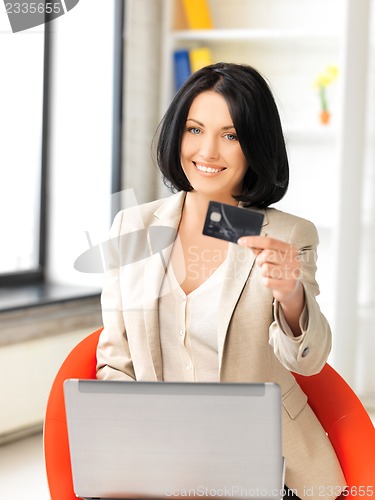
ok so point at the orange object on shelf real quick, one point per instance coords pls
(325, 117)
(198, 15)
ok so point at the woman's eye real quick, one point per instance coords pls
(194, 130)
(231, 137)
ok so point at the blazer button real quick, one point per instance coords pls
(305, 352)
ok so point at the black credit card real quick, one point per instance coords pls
(229, 223)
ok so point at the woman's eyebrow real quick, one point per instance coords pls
(227, 127)
(195, 121)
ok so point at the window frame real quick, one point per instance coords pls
(118, 103)
(35, 276)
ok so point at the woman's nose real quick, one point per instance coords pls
(209, 148)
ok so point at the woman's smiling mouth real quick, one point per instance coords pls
(208, 170)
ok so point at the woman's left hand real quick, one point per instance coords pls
(280, 271)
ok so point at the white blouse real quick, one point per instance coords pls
(188, 329)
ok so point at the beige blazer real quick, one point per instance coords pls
(255, 344)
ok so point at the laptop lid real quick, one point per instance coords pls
(169, 439)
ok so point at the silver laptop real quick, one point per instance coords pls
(170, 440)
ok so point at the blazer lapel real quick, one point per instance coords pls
(240, 262)
(161, 235)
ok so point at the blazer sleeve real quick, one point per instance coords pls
(308, 353)
(113, 354)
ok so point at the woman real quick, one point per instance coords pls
(202, 309)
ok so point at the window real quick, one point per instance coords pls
(23, 57)
(74, 68)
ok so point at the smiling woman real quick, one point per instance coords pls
(210, 149)
(206, 310)
(250, 120)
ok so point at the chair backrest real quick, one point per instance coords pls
(348, 426)
(80, 363)
(337, 407)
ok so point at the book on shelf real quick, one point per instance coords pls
(199, 57)
(198, 15)
(181, 67)
(187, 62)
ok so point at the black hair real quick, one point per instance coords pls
(258, 128)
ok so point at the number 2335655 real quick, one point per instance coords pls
(33, 8)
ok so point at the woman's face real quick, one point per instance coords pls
(211, 155)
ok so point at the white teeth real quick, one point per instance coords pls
(208, 169)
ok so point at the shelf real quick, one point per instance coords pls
(220, 35)
(296, 133)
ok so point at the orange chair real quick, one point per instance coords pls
(335, 404)
(80, 363)
(348, 426)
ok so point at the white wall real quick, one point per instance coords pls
(31, 368)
